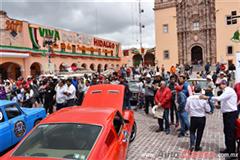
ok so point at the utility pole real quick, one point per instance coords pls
(49, 42)
(141, 26)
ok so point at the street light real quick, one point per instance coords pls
(49, 42)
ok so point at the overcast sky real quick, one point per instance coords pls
(111, 19)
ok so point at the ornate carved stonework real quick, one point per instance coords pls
(196, 26)
(202, 13)
(161, 4)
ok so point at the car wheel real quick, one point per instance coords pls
(134, 132)
(36, 122)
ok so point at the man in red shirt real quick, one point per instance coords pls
(237, 90)
(163, 100)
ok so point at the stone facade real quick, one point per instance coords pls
(195, 29)
(201, 34)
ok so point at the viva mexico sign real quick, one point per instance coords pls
(43, 32)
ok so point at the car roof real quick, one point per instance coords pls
(6, 102)
(86, 115)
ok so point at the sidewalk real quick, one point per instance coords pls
(150, 145)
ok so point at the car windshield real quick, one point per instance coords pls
(61, 140)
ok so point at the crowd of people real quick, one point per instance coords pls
(173, 96)
(173, 99)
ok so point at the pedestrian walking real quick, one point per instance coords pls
(149, 93)
(182, 114)
(81, 89)
(197, 109)
(163, 99)
(61, 98)
(49, 97)
(209, 91)
(173, 110)
(70, 93)
(186, 87)
(207, 67)
(229, 109)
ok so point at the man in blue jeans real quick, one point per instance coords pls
(163, 99)
(229, 110)
(182, 114)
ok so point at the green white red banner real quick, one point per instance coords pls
(33, 36)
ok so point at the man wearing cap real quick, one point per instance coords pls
(156, 81)
(228, 101)
(220, 78)
(149, 93)
(157, 78)
(197, 109)
(186, 87)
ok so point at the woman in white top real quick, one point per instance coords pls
(60, 96)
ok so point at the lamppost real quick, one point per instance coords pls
(49, 42)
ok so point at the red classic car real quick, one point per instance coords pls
(100, 129)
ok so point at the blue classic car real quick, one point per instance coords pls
(16, 122)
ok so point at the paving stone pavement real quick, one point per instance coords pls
(150, 145)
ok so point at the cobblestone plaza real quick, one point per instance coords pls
(150, 145)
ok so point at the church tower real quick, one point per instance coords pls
(196, 30)
(166, 32)
(193, 31)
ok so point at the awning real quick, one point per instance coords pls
(14, 55)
